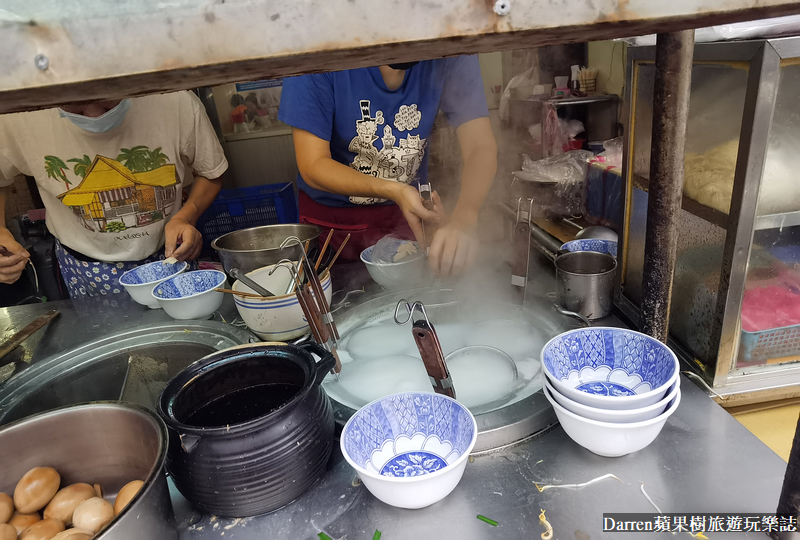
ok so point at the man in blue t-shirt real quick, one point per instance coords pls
(360, 138)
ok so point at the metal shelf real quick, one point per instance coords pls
(777, 221)
(563, 102)
(712, 215)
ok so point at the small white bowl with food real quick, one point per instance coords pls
(396, 265)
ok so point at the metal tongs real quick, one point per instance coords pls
(426, 194)
(316, 287)
(311, 298)
(521, 245)
(429, 347)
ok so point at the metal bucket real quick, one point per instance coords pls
(585, 283)
(100, 443)
(257, 247)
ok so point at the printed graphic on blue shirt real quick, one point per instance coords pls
(398, 162)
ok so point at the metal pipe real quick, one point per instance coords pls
(789, 502)
(673, 77)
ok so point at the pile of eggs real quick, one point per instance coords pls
(75, 512)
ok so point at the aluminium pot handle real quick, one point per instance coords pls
(326, 359)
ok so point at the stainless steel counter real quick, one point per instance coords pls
(79, 322)
(703, 461)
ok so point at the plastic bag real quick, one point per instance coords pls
(613, 152)
(522, 85)
(558, 132)
(390, 249)
(568, 170)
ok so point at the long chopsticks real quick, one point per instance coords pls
(336, 256)
(243, 294)
(322, 251)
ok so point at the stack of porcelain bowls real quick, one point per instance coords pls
(612, 389)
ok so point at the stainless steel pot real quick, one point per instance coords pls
(257, 247)
(585, 283)
(105, 443)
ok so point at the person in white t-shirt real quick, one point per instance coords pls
(111, 175)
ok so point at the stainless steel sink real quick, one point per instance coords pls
(132, 365)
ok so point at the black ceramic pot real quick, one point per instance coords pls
(250, 429)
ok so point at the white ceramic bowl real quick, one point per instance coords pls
(140, 281)
(406, 274)
(615, 417)
(610, 368)
(278, 318)
(191, 295)
(607, 439)
(410, 449)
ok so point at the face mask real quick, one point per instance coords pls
(404, 66)
(100, 124)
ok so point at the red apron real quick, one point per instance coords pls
(365, 224)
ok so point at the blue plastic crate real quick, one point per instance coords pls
(241, 208)
(770, 344)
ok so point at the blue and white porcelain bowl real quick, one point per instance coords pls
(410, 449)
(191, 295)
(592, 244)
(611, 439)
(609, 368)
(140, 281)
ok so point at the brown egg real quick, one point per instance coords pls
(6, 508)
(23, 521)
(93, 514)
(125, 495)
(98, 490)
(73, 534)
(42, 530)
(66, 500)
(7, 532)
(35, 490)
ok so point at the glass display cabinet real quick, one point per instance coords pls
(735, 314)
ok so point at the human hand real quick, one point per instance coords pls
(408, 199)
(454, 247)
(11, 266)
(183, 240)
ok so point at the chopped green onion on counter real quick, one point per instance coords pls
(377, 535)
(491, 522)
(323, 536)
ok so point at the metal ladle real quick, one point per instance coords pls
(238, 274)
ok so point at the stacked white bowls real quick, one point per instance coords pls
(612, 389)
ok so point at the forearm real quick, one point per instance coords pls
(203, 193)
(326, 174)
(477, 175)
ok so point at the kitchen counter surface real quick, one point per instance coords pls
(704, 461)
